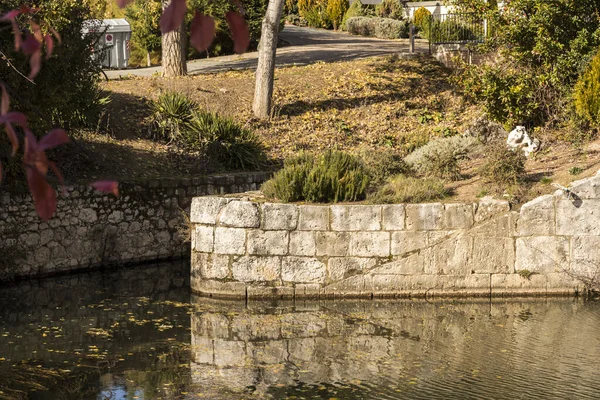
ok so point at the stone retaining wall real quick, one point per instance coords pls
(92, 230)
(449, 53)
(245, 249)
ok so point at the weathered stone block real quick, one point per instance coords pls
(355, 218)
(268, 242)
(333, 244)
(423, 217)
(578, 218)
(256, 269)
(537, 217)
(370, 244)
(343, 267)
(493, 255)
(562, 283)
(204, 210)
(413, 264)
(585, 256)
(279, 216)
(240, 214)
(354, 286)
(303, 270)
(313, 218)
(393, 217)
(270, 292)
(450, 257)
(406, 242)
(303, 243)
(514, 284)
(588, 188)
(496, 226)
(542, 254)
(307, 290)
(403, 285)
(458, 216)
(211, 266)
(230, 240)
(204, 238)
(218, 289)
(489, 207)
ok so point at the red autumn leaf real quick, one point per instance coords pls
(173, 16)
(11, 16)
(44, 196)
(54, 138)
(30, 45)
(202, 32)
(35, 64)
(5, 102)
(12, 136)
(37, 31)
(33, 156)
(106, 187)
(28, 10)
(239, 31)
(123, 3)
(14, 117)
(49, 46)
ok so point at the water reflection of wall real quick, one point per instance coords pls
(397, 346)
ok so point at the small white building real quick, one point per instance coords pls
(114, 42)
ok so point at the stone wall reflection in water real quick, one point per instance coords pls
(400, 350)
(127, 333)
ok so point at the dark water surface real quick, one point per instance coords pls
(139, 334)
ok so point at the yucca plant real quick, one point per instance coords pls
(226, 141)
(171, 110)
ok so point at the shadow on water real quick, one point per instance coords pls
(138, 333)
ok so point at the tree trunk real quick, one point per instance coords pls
(148, 62)
(265, 71)
(173, 51)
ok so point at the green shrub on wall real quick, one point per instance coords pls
(586, 95)
(382, 165)
(330, 177)
(503, 166)
(390, 9)
(440, 157)
(407, 189)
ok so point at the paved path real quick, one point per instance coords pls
(306, 46)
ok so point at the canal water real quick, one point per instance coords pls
(140, 334)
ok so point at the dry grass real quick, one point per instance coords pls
(377, 103)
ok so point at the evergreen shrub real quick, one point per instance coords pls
(333, 176)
